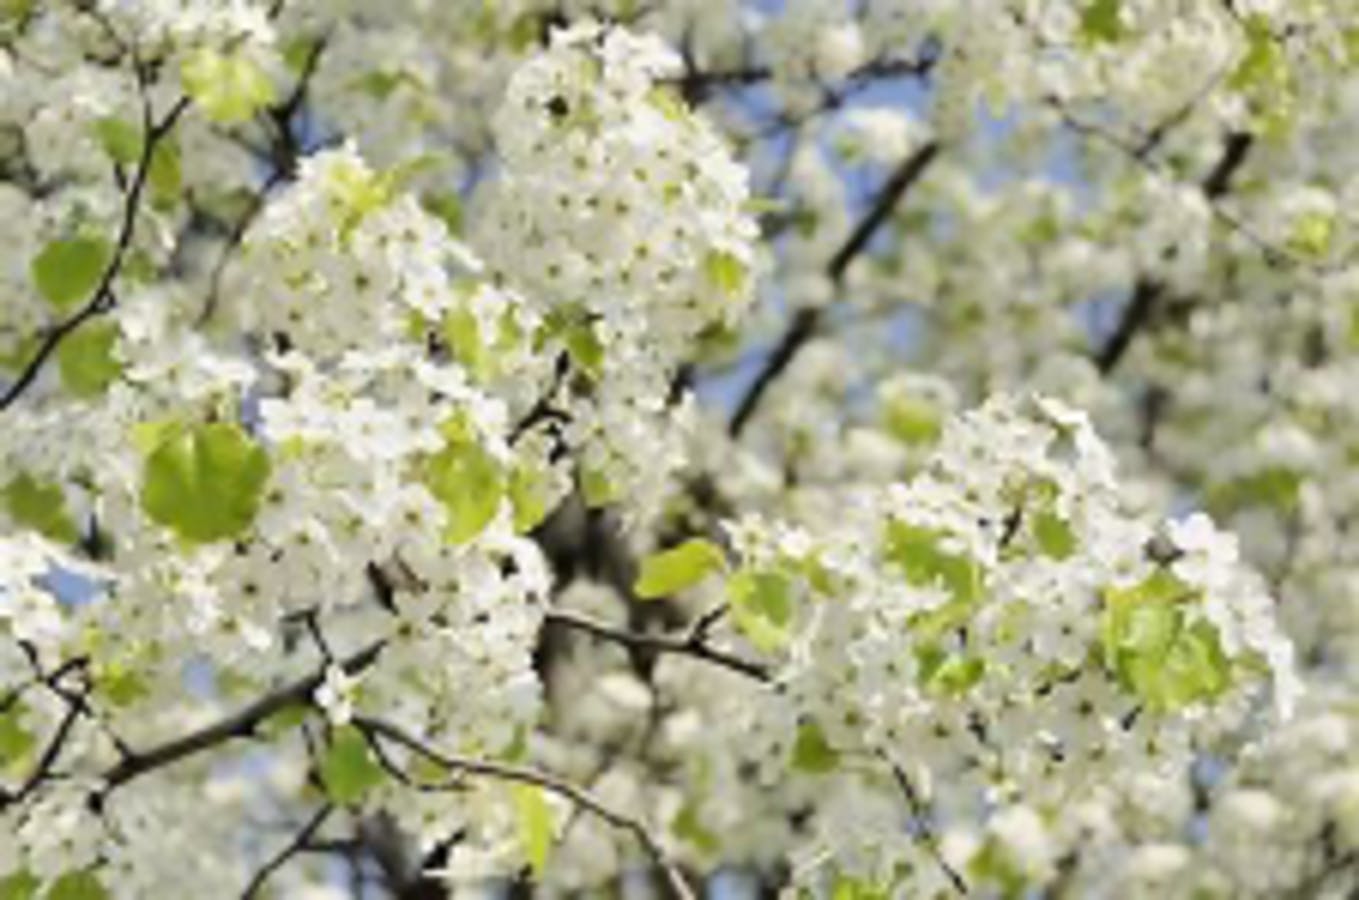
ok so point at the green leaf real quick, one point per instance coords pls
(812, 753)
(21, 885)
(528, 496)
(687, 826)
(1263, 64)
(1054, 536)
(596, 488)
(297, 53)
(726, 272)
(535, 825)
(67, 270)
(586, 349)
(1276, 487)
(147, 436)
(285, 720)
(678, 568)
(86, 361)
(1312, 234)
(40, 506)
(463, 334)
(994, 864)
(120, 685)
(1100, 21)
(348, 770)
(229, 87)
(79, 885)
(951, 675)
(121, 140)
(205, 482)
(762, 607)
(912, 420)
(1153, 648)
(165, 173)
(918, 553)
(15, 740)
(847, 888)
(668, 102)
(446, 206)
(468, 481)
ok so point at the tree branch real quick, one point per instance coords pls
(297, 845)
(239, 724)
(805, 322)
(693, 644)
(103, 298)
(1147, 291)
(377, 729)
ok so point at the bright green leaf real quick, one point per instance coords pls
(348, 770)
(678, 568)
(912, 420)
(21, 885)
(1100, 21)
(15, 740)
(463, 334)
(1263, 64)
(446, 206)
(165, 174)
(668, 102)
(528, 495)
(78, 885)
(596, 488)
(586, 349)
(229, 87)
(1276, 487)
(205, 482)
(1153, 648)
(121, 140)
(854, 889)
(687, 826)
(762, 607)
(812, 753)
(1054, 536)
(86, 359)
(726, 272)
(535, 825)
(918, 553)
(120, 684)
(1312, 234)
(469, 482)
(67, 270)
(40, 506)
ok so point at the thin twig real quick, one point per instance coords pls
(921, 817)
(693, 644)
(805, 323)
(509, 772)
(240, 724)
(103, 299)
(297, 845)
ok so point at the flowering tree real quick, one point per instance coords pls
(894, 449)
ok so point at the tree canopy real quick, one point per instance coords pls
(886, 449)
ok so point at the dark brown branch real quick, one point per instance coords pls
(906, 175)
(102, 300)
(296, 846)
(1148, 291)
(1135, 316)
(1234, 151)
(920, 815)
(241, 724)
(377, 729)
(806, 322)
(693, 644)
